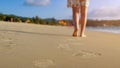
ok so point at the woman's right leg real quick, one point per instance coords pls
(75, 11)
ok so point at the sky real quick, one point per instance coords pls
(98, 9)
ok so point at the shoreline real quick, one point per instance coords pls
(112, 29)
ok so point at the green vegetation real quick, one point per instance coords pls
(35, 20)
(53, 21)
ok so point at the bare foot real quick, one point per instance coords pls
(75, 33)
(82, 35)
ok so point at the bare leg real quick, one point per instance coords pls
(75, 11)
(83, 20)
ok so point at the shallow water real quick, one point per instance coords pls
(105, 29)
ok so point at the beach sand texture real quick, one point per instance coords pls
(41, 46)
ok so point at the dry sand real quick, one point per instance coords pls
(41, 46)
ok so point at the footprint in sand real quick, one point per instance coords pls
(87, 54)
(66, 44)
(4, 39)
(64, 47)
(71, 46)
(7, 48)
(6, 43)
(44, 63)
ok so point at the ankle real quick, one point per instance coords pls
(75, 33)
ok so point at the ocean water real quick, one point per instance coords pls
(105, 29)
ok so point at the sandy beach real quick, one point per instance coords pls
(41, 46)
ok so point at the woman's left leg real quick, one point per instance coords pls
(83, 21)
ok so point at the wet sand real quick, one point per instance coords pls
(41, 46)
